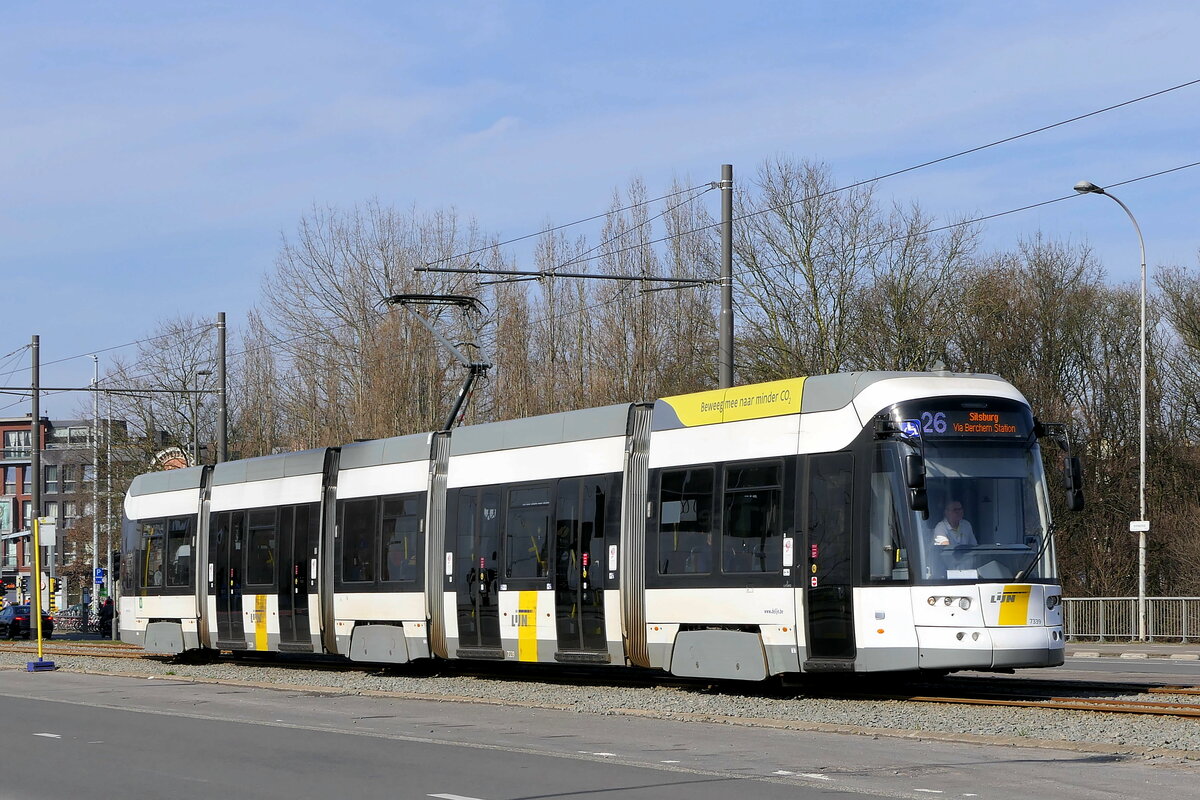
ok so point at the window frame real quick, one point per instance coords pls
(260, 522)
(544, 556)
(777, 488)
(377, 546)
(786, 576)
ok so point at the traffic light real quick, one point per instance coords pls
(116, 565)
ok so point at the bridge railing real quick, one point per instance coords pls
(1168, 619)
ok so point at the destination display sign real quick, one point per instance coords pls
(966, 422)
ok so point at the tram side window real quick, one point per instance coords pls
(527, 533)
(359, 551)
(886, 554)
(130, 538)
(401, 529)
(752, 537)
(151, 546)
(686, 519)
(260, 555)
(179, 552)
(566, 528)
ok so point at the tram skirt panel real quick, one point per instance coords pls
(379, 643)
(732, 655)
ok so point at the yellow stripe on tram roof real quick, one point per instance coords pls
(755, 401)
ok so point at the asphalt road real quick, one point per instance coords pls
(69, 736)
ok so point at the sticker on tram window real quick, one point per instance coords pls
(911, 428)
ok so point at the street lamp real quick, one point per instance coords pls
(196, 417)
(1141, 525)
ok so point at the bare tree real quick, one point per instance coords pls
(353, 369)
(176, 363)
(803, 250)
(904, 314)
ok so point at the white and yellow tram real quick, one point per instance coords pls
(771, 529)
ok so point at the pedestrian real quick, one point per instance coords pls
(106, 617)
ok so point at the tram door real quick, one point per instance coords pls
(828, 596)
(225, 548)
(476, 575)
(578, 574)
(297, 543)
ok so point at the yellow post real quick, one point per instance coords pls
(41, 664)
(37, 583)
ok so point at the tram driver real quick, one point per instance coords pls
(953, 530)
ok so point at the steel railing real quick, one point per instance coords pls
(1174, 619)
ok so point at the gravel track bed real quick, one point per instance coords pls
(1120, 732)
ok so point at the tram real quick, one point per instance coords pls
(771, 529)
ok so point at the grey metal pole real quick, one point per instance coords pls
(222, 409)
(196, 431)
(725, 339)
(1143, 527)
(95, 482)
(196, 427)
(108, 579)
(35, 445)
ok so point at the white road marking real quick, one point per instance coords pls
(668, 762)
(930, 791)
(606, 755)
(49, 735)
(783, 772)
(453, 797)
(816, 775)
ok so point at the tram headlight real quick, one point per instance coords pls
(948, 600)
(932, 600)
(964, 603)
(1052, 600)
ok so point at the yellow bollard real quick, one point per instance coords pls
(41, 665)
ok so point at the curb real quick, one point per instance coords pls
(1136, 654)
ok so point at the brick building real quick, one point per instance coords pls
(68, 483)
(16, 496)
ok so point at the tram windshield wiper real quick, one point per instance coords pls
(1038, 556)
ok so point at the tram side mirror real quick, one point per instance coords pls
(918, 500)
(1073, 483)
(914, 471)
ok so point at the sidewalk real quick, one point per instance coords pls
(1134, 650)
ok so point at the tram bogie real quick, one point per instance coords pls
(772, 529)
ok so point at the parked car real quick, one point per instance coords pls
(14, 622)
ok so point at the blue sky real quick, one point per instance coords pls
(153, 154)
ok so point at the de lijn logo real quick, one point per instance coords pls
(1005, 597)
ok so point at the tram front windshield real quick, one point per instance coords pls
(988, 514)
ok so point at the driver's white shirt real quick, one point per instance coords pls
(963, 534)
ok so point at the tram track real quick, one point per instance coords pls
(1108, 705)
(1094, 696)
(97, 650)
